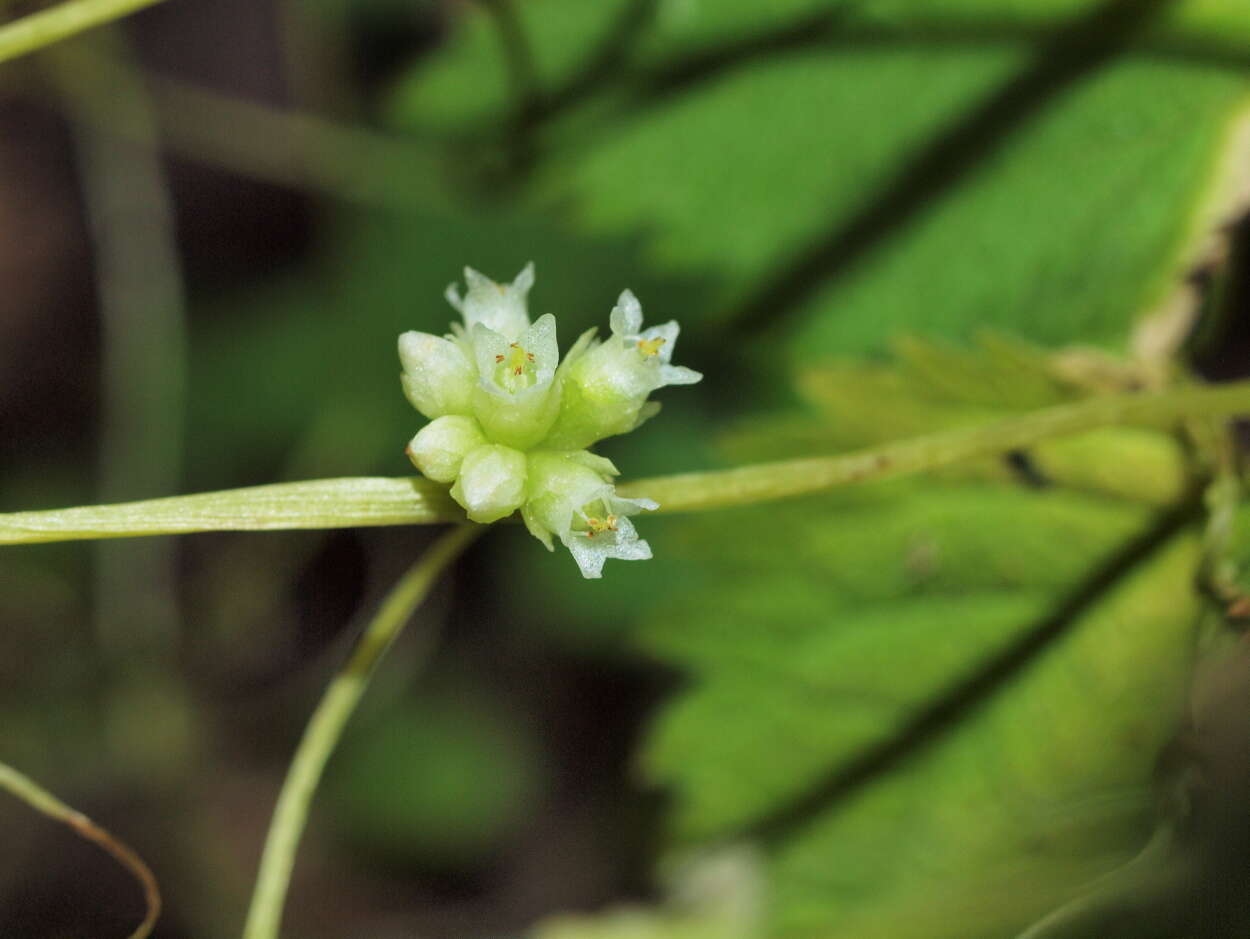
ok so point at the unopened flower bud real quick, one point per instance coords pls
(491, 484)
(438, 377)
(439, 448)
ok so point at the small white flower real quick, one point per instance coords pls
(511, 423)
(606, 389)
(501, 307)
(572, 497)
(602, 531)
(654, 344)
(516, 399)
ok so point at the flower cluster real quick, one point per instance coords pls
(511, 424)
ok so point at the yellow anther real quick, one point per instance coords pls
(516, 359)
(651, 346)
(597, 526)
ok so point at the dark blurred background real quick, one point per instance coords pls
(162, 687)
(216, 217)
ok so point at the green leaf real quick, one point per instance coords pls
(906, 166)
(816, 632)
(467, 80)
(934, 386)
(738, 178)
(937, 702)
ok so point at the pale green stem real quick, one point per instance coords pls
(296, 148)
(322, 503)
(284, 146)
(60, 22)
(39, 799)
(365, 501)
(326, 727)
(765, 482)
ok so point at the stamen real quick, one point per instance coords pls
(652, 346)
(516, 360)
(597, 526)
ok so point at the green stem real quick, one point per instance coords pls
(39, 799)
(60, 22)
(282, 145)
(326, 727)
(355, 502)
(322, 503)
(766, 482)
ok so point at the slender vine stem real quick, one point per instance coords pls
(365, 501)
(326, 727)
(765, 482)
(322, 503)
(286, 146)
(60, 22)
(39, 799)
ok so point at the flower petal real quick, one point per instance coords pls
(540, 341)
(626, 316)
(501, 307)
(679, 375)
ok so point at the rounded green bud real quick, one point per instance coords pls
(491, 483)
(438, 377)
(439, 448)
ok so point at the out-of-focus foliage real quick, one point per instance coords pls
(844, 175)
(438, 780)
(874, 219)
(819, 633)
(885, 180)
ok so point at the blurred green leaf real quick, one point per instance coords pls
(465, 82)
(741, 180)
(860, 188)
(815, 631)
(934, 385)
